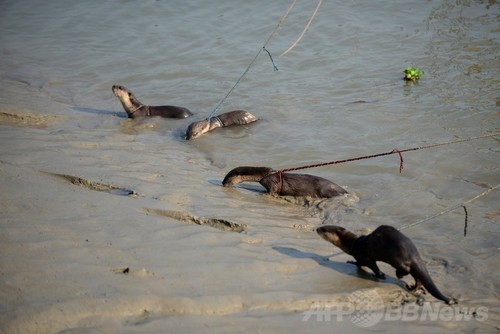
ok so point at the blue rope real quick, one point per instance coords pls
(217, 119)
(212, 114)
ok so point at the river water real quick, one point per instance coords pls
(338, 94)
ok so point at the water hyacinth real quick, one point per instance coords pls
(412, 73)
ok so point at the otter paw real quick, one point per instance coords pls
(416, 288)
(380, 276)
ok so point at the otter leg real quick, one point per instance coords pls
(400, 272)
(372, 265)
(377, 271)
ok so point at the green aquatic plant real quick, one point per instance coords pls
(412, 73)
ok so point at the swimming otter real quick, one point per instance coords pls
(235, 117)
(286, 184)
(388, 245)
(135, 108)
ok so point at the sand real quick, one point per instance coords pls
(89, 254)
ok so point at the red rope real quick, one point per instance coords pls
(383, 154)
(280, 184)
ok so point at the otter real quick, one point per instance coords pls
(388, 245)
(135, 108)
(284, 184)
(235, 117)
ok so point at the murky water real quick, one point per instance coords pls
(338, 94)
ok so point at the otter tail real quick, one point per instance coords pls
(420, 273)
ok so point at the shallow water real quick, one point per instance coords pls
(58, 115)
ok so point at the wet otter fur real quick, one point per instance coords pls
(388, 245)
(231, 118)
(135, 108)
(288, 184)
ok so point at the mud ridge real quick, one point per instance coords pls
(188, 218)
(29, 119)
(97, 186)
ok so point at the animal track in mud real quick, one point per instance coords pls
(188, 218)
(97, 186)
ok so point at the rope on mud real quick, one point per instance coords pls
(264, 47)
(387, 153)
(484, 193)
(305, 29)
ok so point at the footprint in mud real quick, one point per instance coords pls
(97, 186)
(188, 218)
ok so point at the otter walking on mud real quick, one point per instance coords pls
(284, 184)
(235, 117)
(388, 245)
(135, 108)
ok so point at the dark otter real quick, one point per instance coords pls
(135, 108)
(235, 117)
(242, 174)
(284, 184)
(388, 245)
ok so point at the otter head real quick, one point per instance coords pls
(127, 99)
(196, 129)
(338, 236)
(242, 174)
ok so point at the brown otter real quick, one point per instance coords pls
(388, 245)
(284, 184)
(235, 117)
(135, 108)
